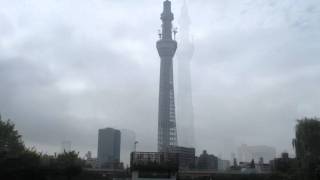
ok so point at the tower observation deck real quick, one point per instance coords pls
(167, 46)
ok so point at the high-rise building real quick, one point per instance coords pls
(185, 117)
(108, 147)
(154, 165)
(167, 132)
(186, 156)
(128, 139)
(223, 165)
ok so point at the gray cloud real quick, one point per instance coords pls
(68, 68)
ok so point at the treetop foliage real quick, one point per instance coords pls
(10, 140)
(307, 145)
(19, 162)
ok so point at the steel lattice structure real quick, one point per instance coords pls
(167, 46)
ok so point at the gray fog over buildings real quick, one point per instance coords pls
(68, 68)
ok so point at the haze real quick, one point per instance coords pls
(68, 68)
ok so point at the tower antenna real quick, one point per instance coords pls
(159, 34)
(175, 31)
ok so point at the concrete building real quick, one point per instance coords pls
(166, 46)
(207, 161)
(247, 153)
(223, 165)
(154, 165)
(185, 116)
(108, 147)
(128, 139)
(284, 164)
(248, 168)
(186, 156)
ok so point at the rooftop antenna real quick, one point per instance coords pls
(175, 31)
(160, 34)
(135, 146)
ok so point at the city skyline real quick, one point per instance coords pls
(78, 66)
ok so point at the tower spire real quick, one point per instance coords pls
(167, 133)
(167, 18)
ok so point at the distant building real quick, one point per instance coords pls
(254, 167)
(247, 153)
(235, 166)
(154, 165)
(207, 161)
(263, 167)
(223, 165)
(186, 156)
(108, 147)
(284, 164)
(248, 167)
(66, 146)
(88, 155)
(92, 163)
(128, 138)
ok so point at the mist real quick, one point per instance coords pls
(69, 68)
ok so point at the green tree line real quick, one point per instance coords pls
(19, 162)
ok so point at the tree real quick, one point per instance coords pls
(10, 140)
(19, 162)
(307, 146)
(16, 161)
(69, 163)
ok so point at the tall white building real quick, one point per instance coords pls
(247, 153)
(223, 165)
(128, 139)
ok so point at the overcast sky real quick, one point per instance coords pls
(70, 67)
